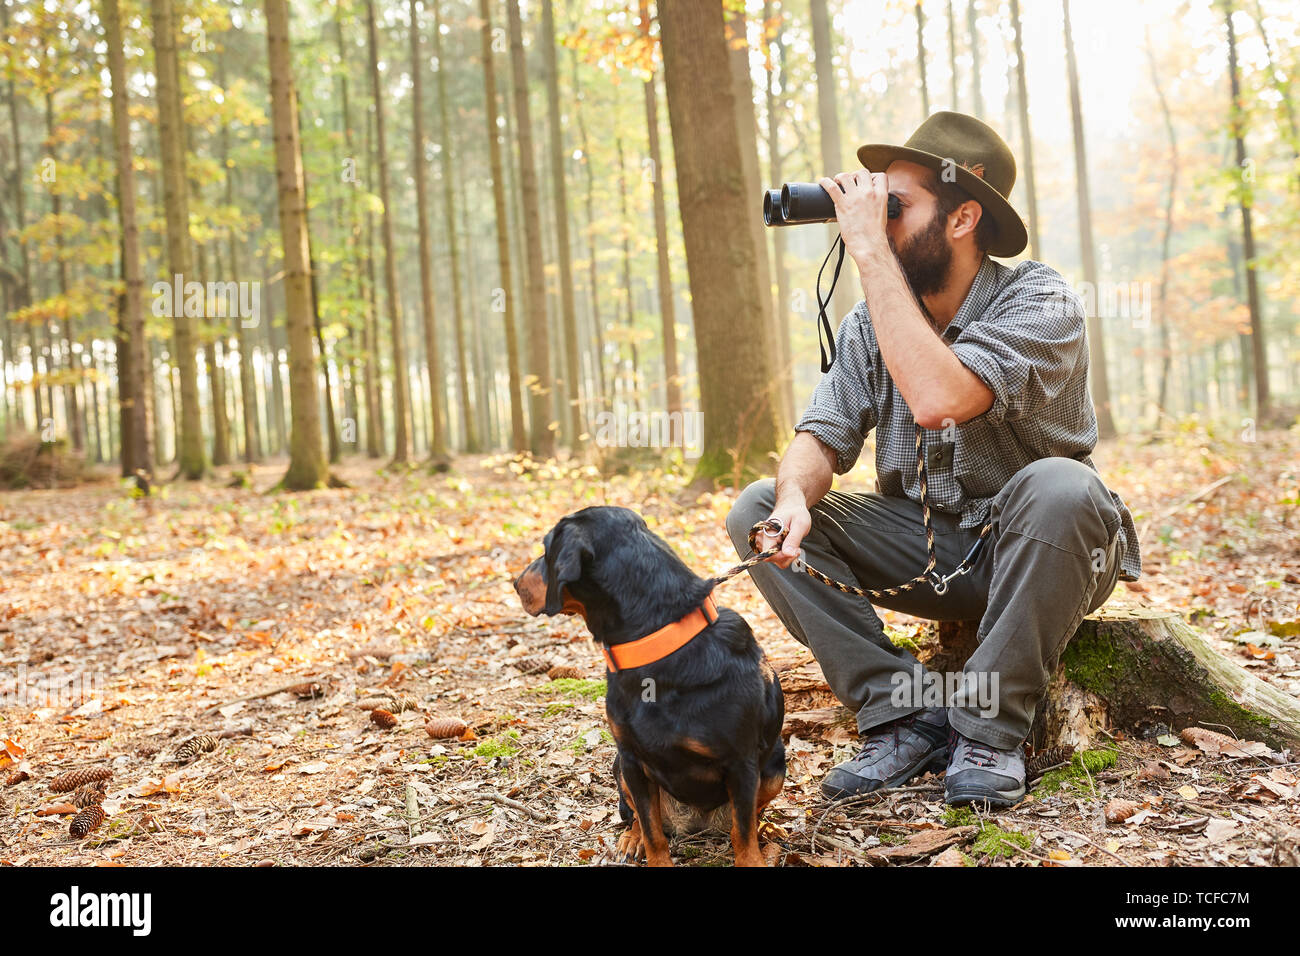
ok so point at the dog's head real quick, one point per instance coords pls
(584, 553)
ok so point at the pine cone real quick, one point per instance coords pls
(1047, 758)
(17, 777)
(307, 690)
(91, 795)
(383, 718)
(440, 728)
(147, 750)
(202, 744)
(402, 702)
(73, 779)
(375, 703)
(562, 671)
(85, 821)
(1117, 811)
(531, 665)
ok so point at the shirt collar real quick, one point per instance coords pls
(977, 299)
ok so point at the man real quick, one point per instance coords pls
(992, 362)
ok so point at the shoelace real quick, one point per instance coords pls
(878, 739)
(975, 754)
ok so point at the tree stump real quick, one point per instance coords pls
(1144, 672)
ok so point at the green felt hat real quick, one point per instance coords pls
(977, 159)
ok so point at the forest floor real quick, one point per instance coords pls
(146, 621)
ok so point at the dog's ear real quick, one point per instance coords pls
(565, 559)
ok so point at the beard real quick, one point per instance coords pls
(925, 258)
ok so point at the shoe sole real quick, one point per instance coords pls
(983, 796)
(933, 762)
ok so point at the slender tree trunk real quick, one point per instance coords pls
(833, 158)
(307, 465)
(775, 78)
(519, 435)
(1022, 101)
(1259, 353)
(977, 94)
(1162, 296)
(1096, 334)
(247, 383)
(449, 173)
(133, 357)
(433, 359)
(633, 386)
(401, 384)
(952, 58)
(731, 308)
(920, 59)
(171, 134)
(71, 361)
(568, 312)
(597, 324)
(539, 360)
(23, 293)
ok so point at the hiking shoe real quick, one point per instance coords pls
(978, 773)
(892, 754)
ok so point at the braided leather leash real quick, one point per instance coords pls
(939, 582)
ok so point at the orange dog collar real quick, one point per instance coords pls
(659, 644)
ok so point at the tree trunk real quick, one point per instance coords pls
(401, 383)
(133, 358)
(573, 367)
(633, 387)
(519, 436)
(469, 428)
(1162, 296)
(977, 94)
(845, 296)
(1141, 671)
(1245, 196)
(1100, 379)
(952, 59)
(307, 466)
(775, 78)
(920, 59)
(71, 361)
(1022, 101)
(539, 359)
(171, 134)
(747, 127)
(23, 294)
(730, 308)
(438, 456)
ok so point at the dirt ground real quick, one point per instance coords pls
(129, 626)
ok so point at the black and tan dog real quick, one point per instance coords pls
(694, 707)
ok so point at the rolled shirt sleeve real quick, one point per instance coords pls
(1026, 352)
(842, 411)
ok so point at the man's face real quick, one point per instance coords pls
(919, 236)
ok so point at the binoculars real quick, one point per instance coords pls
(797, 203)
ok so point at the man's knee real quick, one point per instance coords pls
(1064, 485)
(752, 505)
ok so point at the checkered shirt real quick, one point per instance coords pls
(1022, 332)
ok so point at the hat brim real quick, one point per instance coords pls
(1012, 236)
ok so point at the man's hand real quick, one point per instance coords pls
(861, 210)
(793, 514)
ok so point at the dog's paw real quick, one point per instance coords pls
(631, 845)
